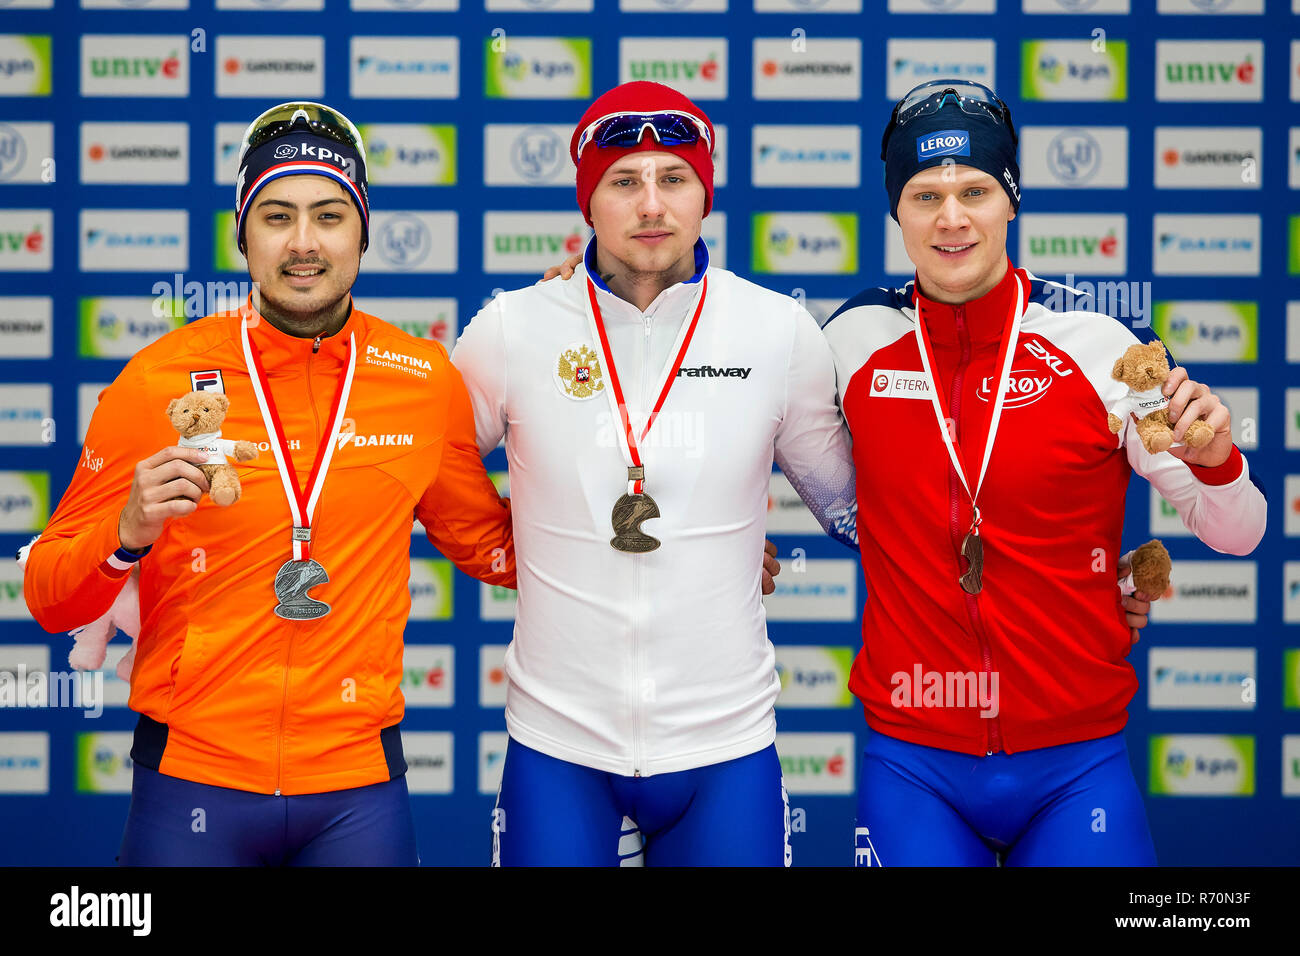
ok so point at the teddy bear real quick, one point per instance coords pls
(198, 417)
(90, 641)
(1144, 368)
(1149, 568)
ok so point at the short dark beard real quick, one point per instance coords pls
(325, 322)
(679, 271)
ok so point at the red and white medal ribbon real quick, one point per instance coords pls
(1006, 355)
(302, 504)
(628, 439)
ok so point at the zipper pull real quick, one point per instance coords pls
(315, 346)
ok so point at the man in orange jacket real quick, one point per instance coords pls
(274, 709)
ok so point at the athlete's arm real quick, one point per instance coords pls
(461, 511)
(480, 356)
(1217, 501)
(122, 494)
(812, 441)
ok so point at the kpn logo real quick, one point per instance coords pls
(809, 242)
(814, 676)
(410, 154)
(1220, 765)
(226, 256)
(119, 326)
(1207, 331)
(104, 762)
(537, 68)
(431, 586)
(1293, 243)
(1291, 678)
(24, 65)
(24, 501)
(1074, 70)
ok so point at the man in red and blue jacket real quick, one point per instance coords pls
(994, 670)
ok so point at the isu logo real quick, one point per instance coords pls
(1023, 388)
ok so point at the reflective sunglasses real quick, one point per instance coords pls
(625, 130)
(928, 98)
(306, 117)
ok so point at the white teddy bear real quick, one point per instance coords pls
(91, 640)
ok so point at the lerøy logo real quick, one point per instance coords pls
(948, 142)
(1024, 387)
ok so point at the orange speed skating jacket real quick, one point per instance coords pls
(229, 693)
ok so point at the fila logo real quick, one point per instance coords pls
(1053, 361)
(209, 381)
(1023, 388)
(892, 383)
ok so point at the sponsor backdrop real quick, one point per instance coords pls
(1161, 170)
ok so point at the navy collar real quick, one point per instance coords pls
(589, 260)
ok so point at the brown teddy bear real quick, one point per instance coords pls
(1144, 368)
(198, 417)
(1149, 568)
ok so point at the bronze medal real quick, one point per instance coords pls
(972, 549)
(629, 511)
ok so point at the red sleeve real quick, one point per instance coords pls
(1224, 474)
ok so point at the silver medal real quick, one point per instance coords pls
(292, 582)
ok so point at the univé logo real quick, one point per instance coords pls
(32, 241)
(135, 66)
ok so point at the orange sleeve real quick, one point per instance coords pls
(68, 581)
(461, 511)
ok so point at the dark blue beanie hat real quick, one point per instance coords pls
(949, 136)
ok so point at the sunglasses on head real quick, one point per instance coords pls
(625, 130)
(928, 98)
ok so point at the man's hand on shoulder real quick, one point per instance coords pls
(564, 270)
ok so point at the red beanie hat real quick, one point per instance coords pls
(639, 97)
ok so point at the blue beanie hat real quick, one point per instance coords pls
(947, 136)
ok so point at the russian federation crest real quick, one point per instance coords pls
(578, 374)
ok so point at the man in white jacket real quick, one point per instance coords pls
(642, 402)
